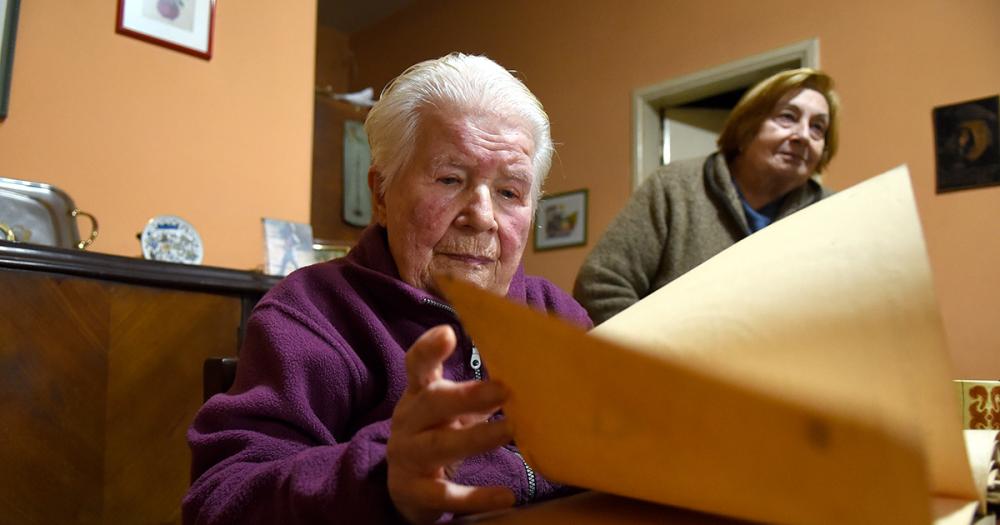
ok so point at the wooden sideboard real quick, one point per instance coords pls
(100, 376)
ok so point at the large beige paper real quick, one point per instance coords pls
(799, 376)
(833, 305)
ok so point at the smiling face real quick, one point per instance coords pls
(790, 141)
(462, 204)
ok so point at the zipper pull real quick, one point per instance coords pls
(476, 363)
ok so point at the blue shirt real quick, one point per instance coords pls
(758, 219)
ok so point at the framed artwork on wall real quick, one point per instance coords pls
(182, 25)
(967, 144)
(357, 159)
(561, 221)
(8, 33)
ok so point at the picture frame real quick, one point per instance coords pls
(288, 246)
(357, 198)
(9, 10)
(967, 144)
(182, 25)
(561, 221)
(324, 250)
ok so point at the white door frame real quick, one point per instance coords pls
(647, 133)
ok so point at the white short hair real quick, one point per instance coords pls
(466, 83)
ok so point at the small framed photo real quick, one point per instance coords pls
(182, 25)
(967, 144)
(8, 33)
(561, 221)
(288, 246)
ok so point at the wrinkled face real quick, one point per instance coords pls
(462, 204)
(790, 140)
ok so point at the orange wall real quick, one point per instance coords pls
(131, 130)
(893, 60)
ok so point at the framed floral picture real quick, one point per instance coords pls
(8, 33)
(561, 221)
(182, 25)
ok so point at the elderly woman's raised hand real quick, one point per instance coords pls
(436, 424)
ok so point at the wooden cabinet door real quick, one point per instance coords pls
(100, 382)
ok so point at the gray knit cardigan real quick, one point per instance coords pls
(682, 215)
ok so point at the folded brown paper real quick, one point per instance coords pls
(801, 376)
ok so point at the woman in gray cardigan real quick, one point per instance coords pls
(781, 134)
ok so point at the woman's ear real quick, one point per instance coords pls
(378, 196)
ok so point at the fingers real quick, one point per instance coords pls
(425, 357)
(445, 402)
(437, 423)
(444, 446)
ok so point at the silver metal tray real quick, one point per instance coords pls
(38, 213)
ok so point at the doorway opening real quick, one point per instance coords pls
(681, 117)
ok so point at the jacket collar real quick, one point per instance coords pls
(721, 187)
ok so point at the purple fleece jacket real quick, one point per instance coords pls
(301, 436)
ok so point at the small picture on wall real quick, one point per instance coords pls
(288, 246)
(561, 221)
(967, 144)
(183, 25)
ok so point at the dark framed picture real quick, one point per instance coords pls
(561, 221)
(967, 144)
(8, 34)
(182, 25)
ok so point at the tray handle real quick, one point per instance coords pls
(8, 233)
(93, 228)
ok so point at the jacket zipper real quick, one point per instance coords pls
(474, 361)
(530, 473)
(432, 302)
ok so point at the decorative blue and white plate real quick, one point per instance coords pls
(171, 239)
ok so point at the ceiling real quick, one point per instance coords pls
(351, 16)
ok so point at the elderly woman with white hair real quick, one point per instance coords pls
(359, 398)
